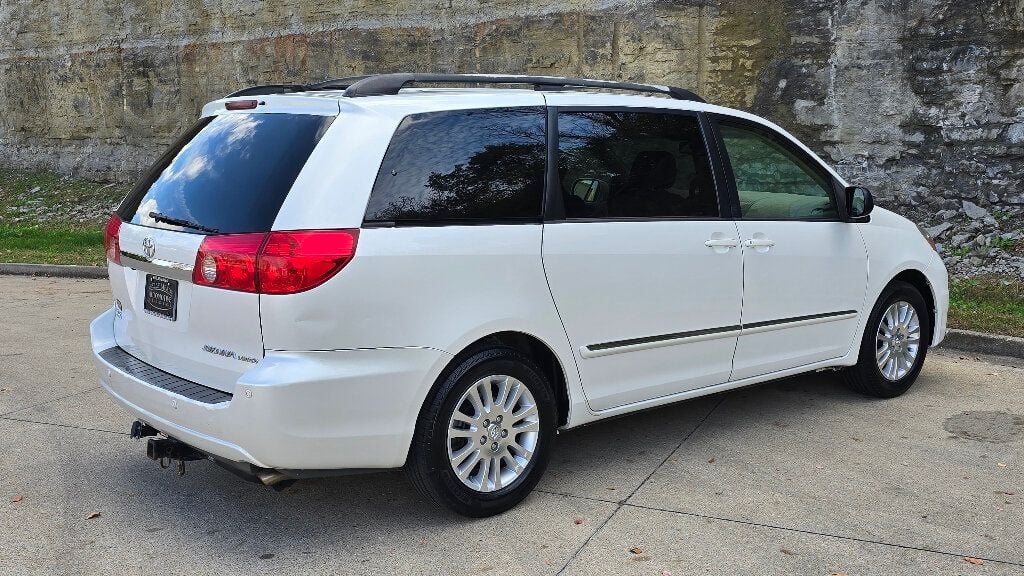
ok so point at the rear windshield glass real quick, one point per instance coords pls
(228, 174)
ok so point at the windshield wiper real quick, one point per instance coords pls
(179, 222)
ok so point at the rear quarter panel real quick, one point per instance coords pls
(440, 287)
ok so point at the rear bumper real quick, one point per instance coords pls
(293, 410)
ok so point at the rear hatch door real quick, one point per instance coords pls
(229, 174)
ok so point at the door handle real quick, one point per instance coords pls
(722, 243)
(755, 242)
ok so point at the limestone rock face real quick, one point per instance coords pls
(920, 100)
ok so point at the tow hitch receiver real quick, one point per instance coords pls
(165, 450)
(171, 449)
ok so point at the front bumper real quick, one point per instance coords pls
(293, 410)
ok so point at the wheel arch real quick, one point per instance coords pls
(918, 280)
(528, 344)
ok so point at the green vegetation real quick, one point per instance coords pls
(987, 304)
(51, 245)
(50, 219)
(1005, 244)
(962, 251)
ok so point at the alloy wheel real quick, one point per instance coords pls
(897, 340)
(493, 433)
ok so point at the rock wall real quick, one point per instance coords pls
(922, 100)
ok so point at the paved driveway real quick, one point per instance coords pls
(794, 477)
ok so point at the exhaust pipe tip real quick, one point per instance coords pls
(271, 477)
(275, 479)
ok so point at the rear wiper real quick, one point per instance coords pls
(179, 222)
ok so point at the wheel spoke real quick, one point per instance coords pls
(473, 395)
(521, 450)
(459, 457)
(487, 396)
(512, 461)
(496, 469)
(471, 433)
(526, 412)
(526, 426)
(514, 395)
(463, 470)
(503, 391)
(883, 356)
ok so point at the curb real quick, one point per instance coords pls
(58, 270)
(982, 343)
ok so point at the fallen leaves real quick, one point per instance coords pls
(92, 515)
(578, 521)
(636, 550)
(787, 551)
(975, 561)
(711, 461)
(16, 499)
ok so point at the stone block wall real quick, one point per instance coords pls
(921, 100)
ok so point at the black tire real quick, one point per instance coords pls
(428, 465)
(865, 376)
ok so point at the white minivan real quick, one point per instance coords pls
(360, 275)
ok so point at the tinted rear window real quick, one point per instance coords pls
(466, 165)
(229, 173)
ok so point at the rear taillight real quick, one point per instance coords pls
(292, 262)
(228, 261)
(111, 241)
(273, 263)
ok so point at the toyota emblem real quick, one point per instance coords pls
(149, 247)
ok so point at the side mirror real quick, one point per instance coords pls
(858, 204)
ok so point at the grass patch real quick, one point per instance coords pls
(43, 245)
(987, 304)
(46, 218)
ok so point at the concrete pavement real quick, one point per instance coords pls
(794, 477)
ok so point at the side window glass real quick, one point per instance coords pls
(463, 165)
(633, 164)
(773, 182)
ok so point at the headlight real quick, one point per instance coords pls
(928, 237)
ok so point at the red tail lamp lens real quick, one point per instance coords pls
(111, 239)
(296, 261)
(228, 262)
(275, 262)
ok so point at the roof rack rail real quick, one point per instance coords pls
(386, 84)
(338, 83)
(333, 84)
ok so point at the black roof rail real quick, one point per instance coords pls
(385, 84)
(333, 84)
(337, 83)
